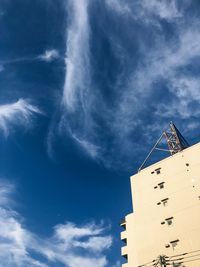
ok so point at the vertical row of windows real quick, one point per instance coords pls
(164, 202)
(124, 240)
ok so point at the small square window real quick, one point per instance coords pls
(161, 185)
(169, 221)
(158, 171)
(165, 201)
(124, 241)
(125, 257)
(174, 243)
(123, 226)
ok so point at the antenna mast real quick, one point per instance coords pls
(175, 141)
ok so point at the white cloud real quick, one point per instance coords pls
(91, 149)
(70, 245)
(120, 6)
(186, 90)
(78, 92)
(161, 63)
(5, 191)
(77, 55)
(117, 264)
(165, 64)
(165, 10)
(49, 55)
(145, 10)
(69, 231)
(16, 114)
(103, 129)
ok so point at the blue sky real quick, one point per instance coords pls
(87, 86)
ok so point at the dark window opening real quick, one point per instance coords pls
(125, 257)
(123, 226)
(165, 201)
(124, 241)
(169, 221)
(174, 243)
(157, 170)
(161, 185)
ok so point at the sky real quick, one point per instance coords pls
(86, 88)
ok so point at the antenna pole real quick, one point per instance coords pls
(175, 141)
(154, 147)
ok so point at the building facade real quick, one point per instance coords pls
(164, 229)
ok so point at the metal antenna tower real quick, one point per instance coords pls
(175, 141)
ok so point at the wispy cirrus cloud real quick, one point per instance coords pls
(49, 55)
(77, 79)
(90, 148)
(154, 81)
(119, 6)
(78, 92)
(165, 10)
(70, 245)
(17, 114)
(146, 11)
(168, 64)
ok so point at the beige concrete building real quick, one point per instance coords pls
(166, 217)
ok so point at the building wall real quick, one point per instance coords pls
(168, 189)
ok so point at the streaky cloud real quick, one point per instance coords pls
(77, 79)
(70, 244)
(78, 90)
(164, 10)
(13, 115)
(146, 94)
(90, 148)
(145, 11)
(49, 55)
(119, 6)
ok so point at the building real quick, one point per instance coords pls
(164, 229)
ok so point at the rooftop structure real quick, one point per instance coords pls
(164, 229)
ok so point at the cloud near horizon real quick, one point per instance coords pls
(70, 244)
